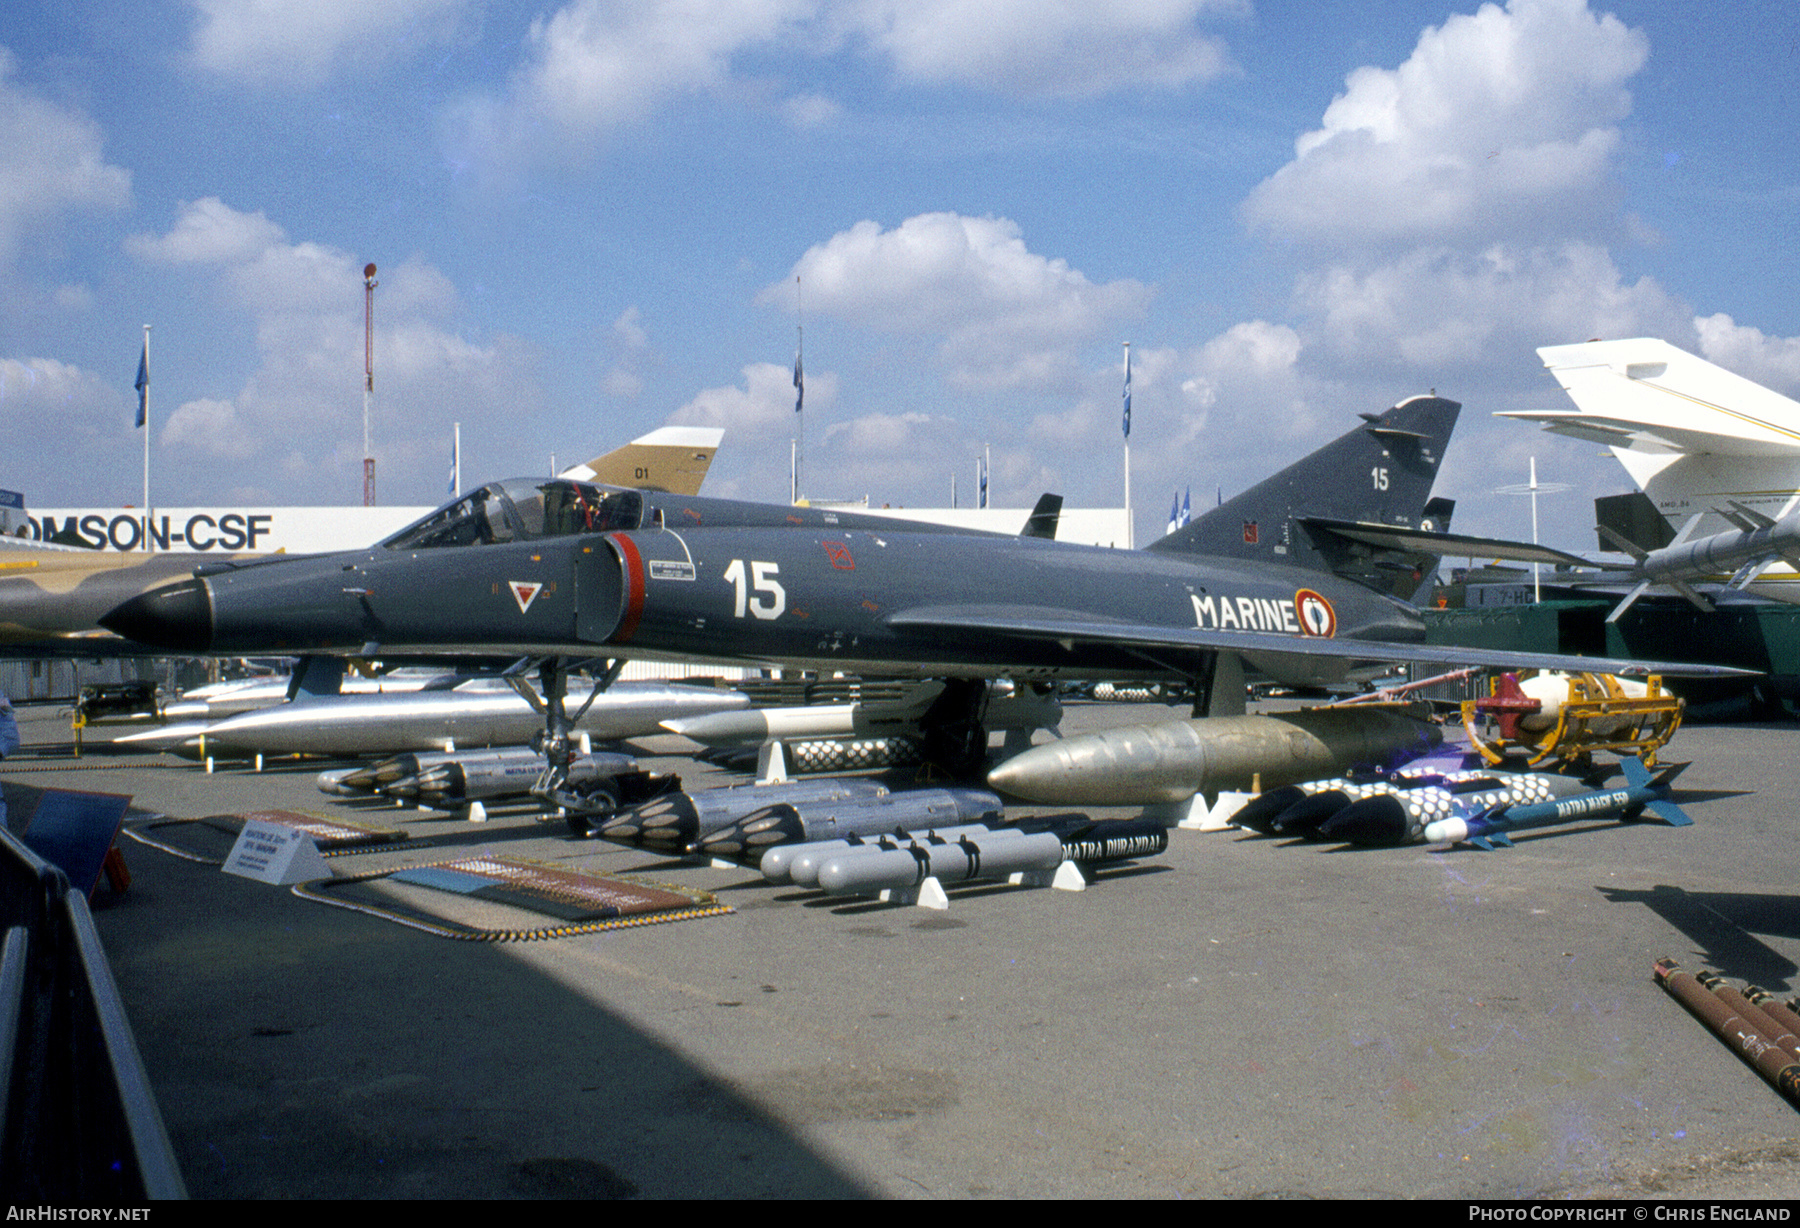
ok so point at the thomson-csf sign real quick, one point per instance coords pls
(246, 530)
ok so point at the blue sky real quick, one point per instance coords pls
(589, 217)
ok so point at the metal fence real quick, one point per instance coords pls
(81, 1123)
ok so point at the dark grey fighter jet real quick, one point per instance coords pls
(1294, 576)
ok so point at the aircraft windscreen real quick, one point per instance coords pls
(523, 509)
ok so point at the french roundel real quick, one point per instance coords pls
(1316, 615)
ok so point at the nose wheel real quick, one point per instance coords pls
(553, 741)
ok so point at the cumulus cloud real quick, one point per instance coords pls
(1771, 361)
(1499, 122)
(208, 232)
(1006, 315)
(54, 410)
(52, 165)
(1438, 307)
(259, 42)
(593, 65)
(302, 406)
(630, 344)
(763, 408)
(211, 427)
(1044, 48)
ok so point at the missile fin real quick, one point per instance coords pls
(1626, 604)
(1622, 543)
(1756, 518)
(1670, 813)
(1695, 599)
(1745, 575)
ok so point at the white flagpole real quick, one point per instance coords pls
(1130, 529)
(798, 456)
(148, 544)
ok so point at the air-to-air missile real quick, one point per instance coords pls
(1490, 827)
(486, 712)
(671, 823)
(217, 701)
(1141, 765)
(1004, 710)
(746, 840)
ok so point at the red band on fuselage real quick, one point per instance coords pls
(634, 587)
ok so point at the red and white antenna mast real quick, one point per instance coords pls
(369, 284)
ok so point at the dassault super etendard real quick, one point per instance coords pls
(1297, 576)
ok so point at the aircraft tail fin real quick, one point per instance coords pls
(1646, 395)
(1044, 517)
(671, 458)
(1378, 475)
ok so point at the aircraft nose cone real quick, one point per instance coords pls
(177, 616)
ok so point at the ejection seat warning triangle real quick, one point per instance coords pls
(277, 854)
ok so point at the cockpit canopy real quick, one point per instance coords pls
(524, 509)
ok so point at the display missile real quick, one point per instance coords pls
(1171, 761)
(1770, 1060)
(1764, 1021)
(487, 713)
(1304, 816)
(453, 785)
(866, 871)
(217, 701)
(1743, 553)
(1004, 710)
(1400, 816)
(990, 854)
(671, 823)
(793, 823)
(1490, 828)
(1774, 1008)
(1260, 812)
(802, 868)
(333, 782)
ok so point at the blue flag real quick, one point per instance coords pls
(450, 488)
(143, 384)
(1127, 420)
(799, 383)
(983, 502)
